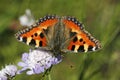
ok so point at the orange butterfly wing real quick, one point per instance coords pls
(35, 35)
(82, 41)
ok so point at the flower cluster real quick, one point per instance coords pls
(8, 72)
(37, 61)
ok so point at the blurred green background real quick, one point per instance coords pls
(100, 17)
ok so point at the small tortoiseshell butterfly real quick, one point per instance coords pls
(59, 34)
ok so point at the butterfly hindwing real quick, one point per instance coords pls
(81, 40)
(36, 34)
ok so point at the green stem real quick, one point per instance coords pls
(49, 76)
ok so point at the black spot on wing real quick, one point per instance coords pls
(31, 35)
(24, 39)
(18, 38)
(35, 34)
(84, 42)
(96, 48)
(72, 34)
(41, 35)
(90, 47)
(32, 42)
(81, 40)
(73, 47)
(40, 43)
(81, 48)
(75, 39)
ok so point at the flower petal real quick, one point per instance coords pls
(38, 69)
(25, 56)
(22, 64)
(29, 72)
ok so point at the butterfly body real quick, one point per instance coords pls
(59, 34)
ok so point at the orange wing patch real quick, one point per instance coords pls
(82, 41)
(73, 24)
(35, 35)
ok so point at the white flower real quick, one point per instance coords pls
(8, 72)
(27, 19)
(37, 61)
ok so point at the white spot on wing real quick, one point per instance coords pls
(93, 48)
(21, 39)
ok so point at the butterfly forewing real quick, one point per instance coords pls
(36, 34)
(81, 40)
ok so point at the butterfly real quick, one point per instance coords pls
(59, 34)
